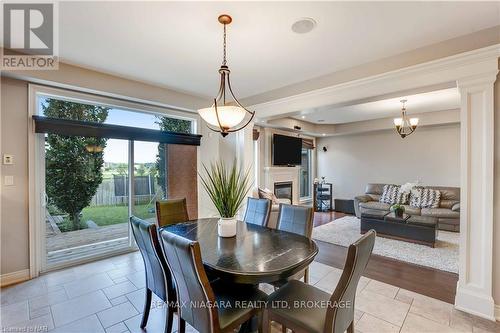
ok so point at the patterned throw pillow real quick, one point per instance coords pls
(267, 194)
(425, 198)
(392, 195)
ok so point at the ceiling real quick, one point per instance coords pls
(178, 44)
(439, 100)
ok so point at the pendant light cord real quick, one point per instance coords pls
(224, 45)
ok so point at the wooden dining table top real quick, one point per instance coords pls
(255, 255)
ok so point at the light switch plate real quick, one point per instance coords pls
(8, 159)
(8, 181)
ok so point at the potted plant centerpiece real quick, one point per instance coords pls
(227, 187)
(398, 210)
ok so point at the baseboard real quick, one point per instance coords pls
(497, 312)
(14, 277)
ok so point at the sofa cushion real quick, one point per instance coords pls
(440, 212)
(447, 203)
(375, 205)
(267, 194)
(447, 193)
(392, 195)
(411, 210)
(425, 198)
(456, 207)
(374, 189)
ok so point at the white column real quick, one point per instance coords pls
(245, 156)
(475, 285)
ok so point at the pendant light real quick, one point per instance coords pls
(404, 125)
(226, 115)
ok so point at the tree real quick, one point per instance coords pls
(73, 168)
(170, 125)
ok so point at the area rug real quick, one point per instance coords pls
(443, 256)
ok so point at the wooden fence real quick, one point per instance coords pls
(114, 191)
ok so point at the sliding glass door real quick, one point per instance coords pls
(91, 185)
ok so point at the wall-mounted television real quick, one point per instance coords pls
(287, 150)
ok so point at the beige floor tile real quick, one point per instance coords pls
(137, 299)
(382, 307)
(118, 300)
(417, 324)
(357, 315)
(35, 313)
(363, 282)
(329, 281)
(48, 299)
(138, 279)
(156, 322)
(23, 291)
(485, 325)
(58, 278)
(14, 313)
(319, 270)
(89, 284)
(461, 321)
(433, 309)
(79, 307)
(84, 325)
(382, 288)
(40, 324)
(116, 314)
(119, 289)
(371, 324)
(117, 328)
(404, 296)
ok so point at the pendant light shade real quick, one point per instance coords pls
(226, 115)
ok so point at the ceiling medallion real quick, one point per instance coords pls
(404, 125)
(225, 116)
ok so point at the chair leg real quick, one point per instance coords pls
(306, 275)
(170, 319)
(147, 307)
(350, 329)
(266, 323)
(283, 328)
(182, 324)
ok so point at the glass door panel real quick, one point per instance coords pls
(87, 199)
(149, 178)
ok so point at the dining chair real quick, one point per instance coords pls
(158, 277)
(258, 211)
(336, 313)
(194, 290)
(171, 211)
(298, 220)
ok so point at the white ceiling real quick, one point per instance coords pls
(439, 100)
(178, 44)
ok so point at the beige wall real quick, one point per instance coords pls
(14, 200)
(431, 155)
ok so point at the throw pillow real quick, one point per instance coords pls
(425, 198)
(267, 194)
(392, 194)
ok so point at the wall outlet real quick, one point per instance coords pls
(8, 181)
(8, 159)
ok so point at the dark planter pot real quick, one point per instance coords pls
(399, 212)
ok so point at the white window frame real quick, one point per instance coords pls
(36, 178)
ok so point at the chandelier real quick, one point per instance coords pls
(225, 115)
(404, 125)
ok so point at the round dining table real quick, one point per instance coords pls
(255, 255)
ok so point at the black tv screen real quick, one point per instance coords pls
(287, 150)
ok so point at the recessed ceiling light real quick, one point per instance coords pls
(323, 134)
(321, 120)
(303, 117)
(303, 25)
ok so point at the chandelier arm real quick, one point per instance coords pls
(236, 100)
(217, 115)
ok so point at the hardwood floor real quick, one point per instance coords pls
(423, 280)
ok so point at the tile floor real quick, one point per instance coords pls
(108, 296)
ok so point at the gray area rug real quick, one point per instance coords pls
(444, 256)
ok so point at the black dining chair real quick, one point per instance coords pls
(158, 277)
(336, 313)
(194, 290)
(299, 220)
(258, 211)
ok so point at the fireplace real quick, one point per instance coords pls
(283, 190)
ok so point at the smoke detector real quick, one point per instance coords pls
(304, 25)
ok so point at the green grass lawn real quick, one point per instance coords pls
(107, 215)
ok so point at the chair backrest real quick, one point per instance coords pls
(195, 295)
(340, 313)
(158, 277)
(296, 219)
(171, 211)
(258, 211)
